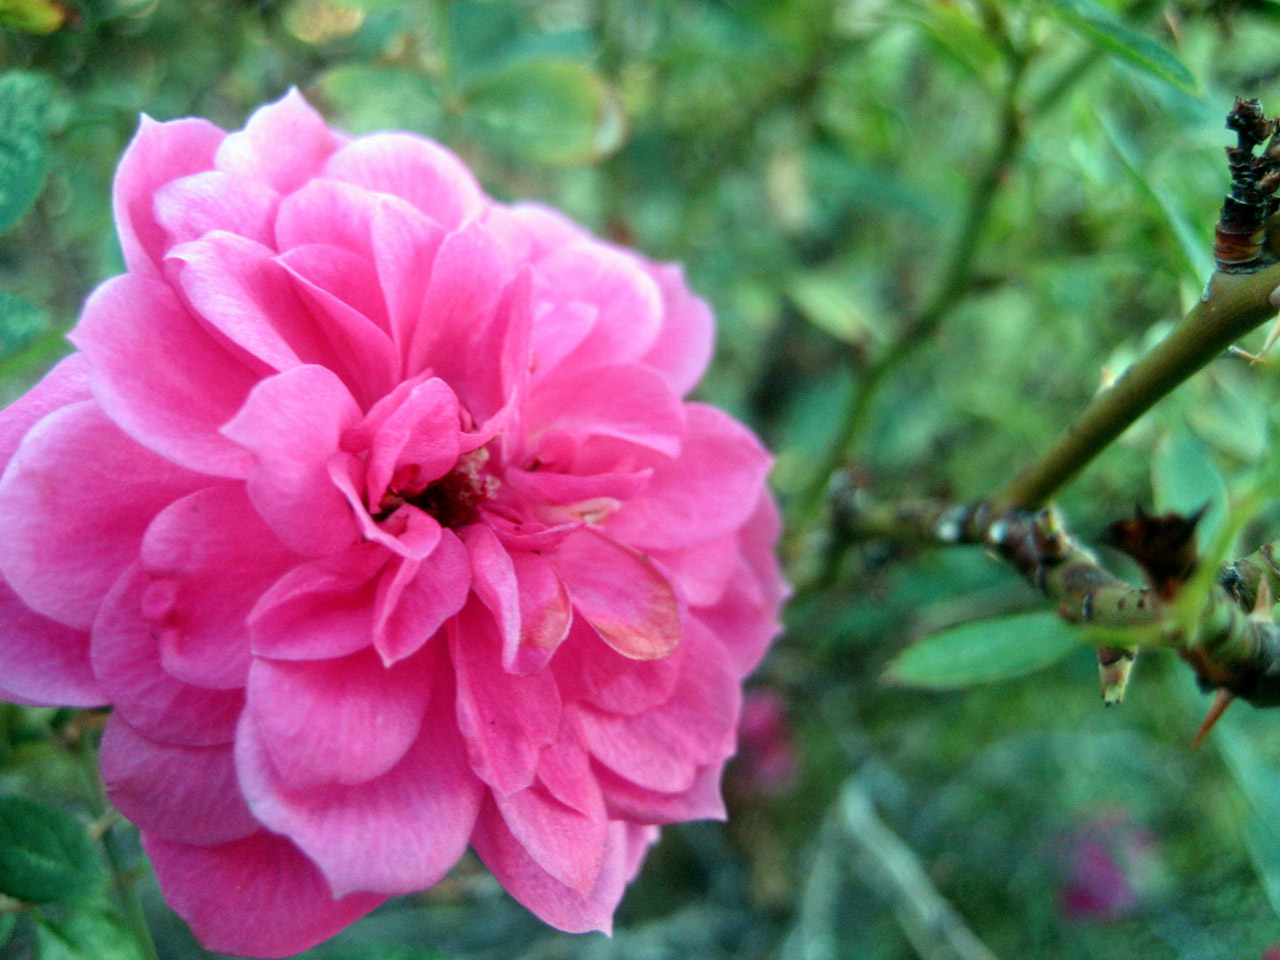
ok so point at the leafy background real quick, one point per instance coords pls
(812, 163)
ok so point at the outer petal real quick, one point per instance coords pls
(43, 661)
(212, 557)
(256, 897)
(400, 832)
(565, 842)
(683, 348)
(663, 749)
(621, 593)
(291, 424)
(161, 376)
(708, 492)
(506, 720)
(545, 613)
(74, 502)
(158, 153)
(193, 206)
(283, 145)
(187, 794)
(343, 721)
(590, 671)
(700, 801)
(561, 906)
(126, 660)
(417, 170)
(65, 384)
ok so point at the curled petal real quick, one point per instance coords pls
(282, 145)
(43, 661)
(193, 206)
(158, 154)
(65, 384)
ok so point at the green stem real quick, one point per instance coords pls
(1236, 304)
(946, 297)
(125, 890)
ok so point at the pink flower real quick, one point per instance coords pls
(1110, 867)
(373, 508)
(768, 760)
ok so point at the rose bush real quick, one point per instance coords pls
(374, 510)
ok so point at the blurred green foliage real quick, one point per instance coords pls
(812, 163)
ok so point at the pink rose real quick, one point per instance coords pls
(373, 508)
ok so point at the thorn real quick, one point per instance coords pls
(1114, 667)
(1222, 698)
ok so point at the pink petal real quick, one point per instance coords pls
(410, 612)
(545, 613)
(237, 288)
(292, 423)
(470, 271)
(332, 213)
(532, 230)
(193, 206)
(66, 383)
(553, 902)
(283, 145)
(493, 575)
(423, 433)
(343, 294)
(74, 502)
(627, 301)
(707, 492)
(417, 170)
(621, 593)
(126, 660)
(343, 721)
(627, 402)
(399, 833)
(588, 670)
(158, 153)
(543, 486)
(683, 348)
(662, 749)
(567, 843)
(161, 376)
(701, 572)
(43, 661)
(215, 557)
(700, 801)
(321, 609)
(506, 720)
(256, 897)
(187, 794)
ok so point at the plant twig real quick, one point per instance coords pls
(946, 297)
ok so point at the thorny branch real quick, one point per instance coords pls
(1232, 648)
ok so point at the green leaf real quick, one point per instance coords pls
(8, 921)
(548, 111)
(983, 651)
(1185, 479)
(826, 301)
(45, 854)
(1097, 23)
(85, 935)
(368, 98)
(24, 106)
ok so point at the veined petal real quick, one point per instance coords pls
(283, 144)
(43, 661)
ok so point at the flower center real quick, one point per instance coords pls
(454, 499)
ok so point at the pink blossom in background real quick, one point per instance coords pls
(1110, 867)
(374, 509)
(767, 759)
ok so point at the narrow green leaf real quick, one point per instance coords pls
(24, 105)
(45, 854)
(826, 301)
(983, 651)
(7, 922)
(1185, 479)
(1097, 23)
(1259, 781)
(549, 111)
